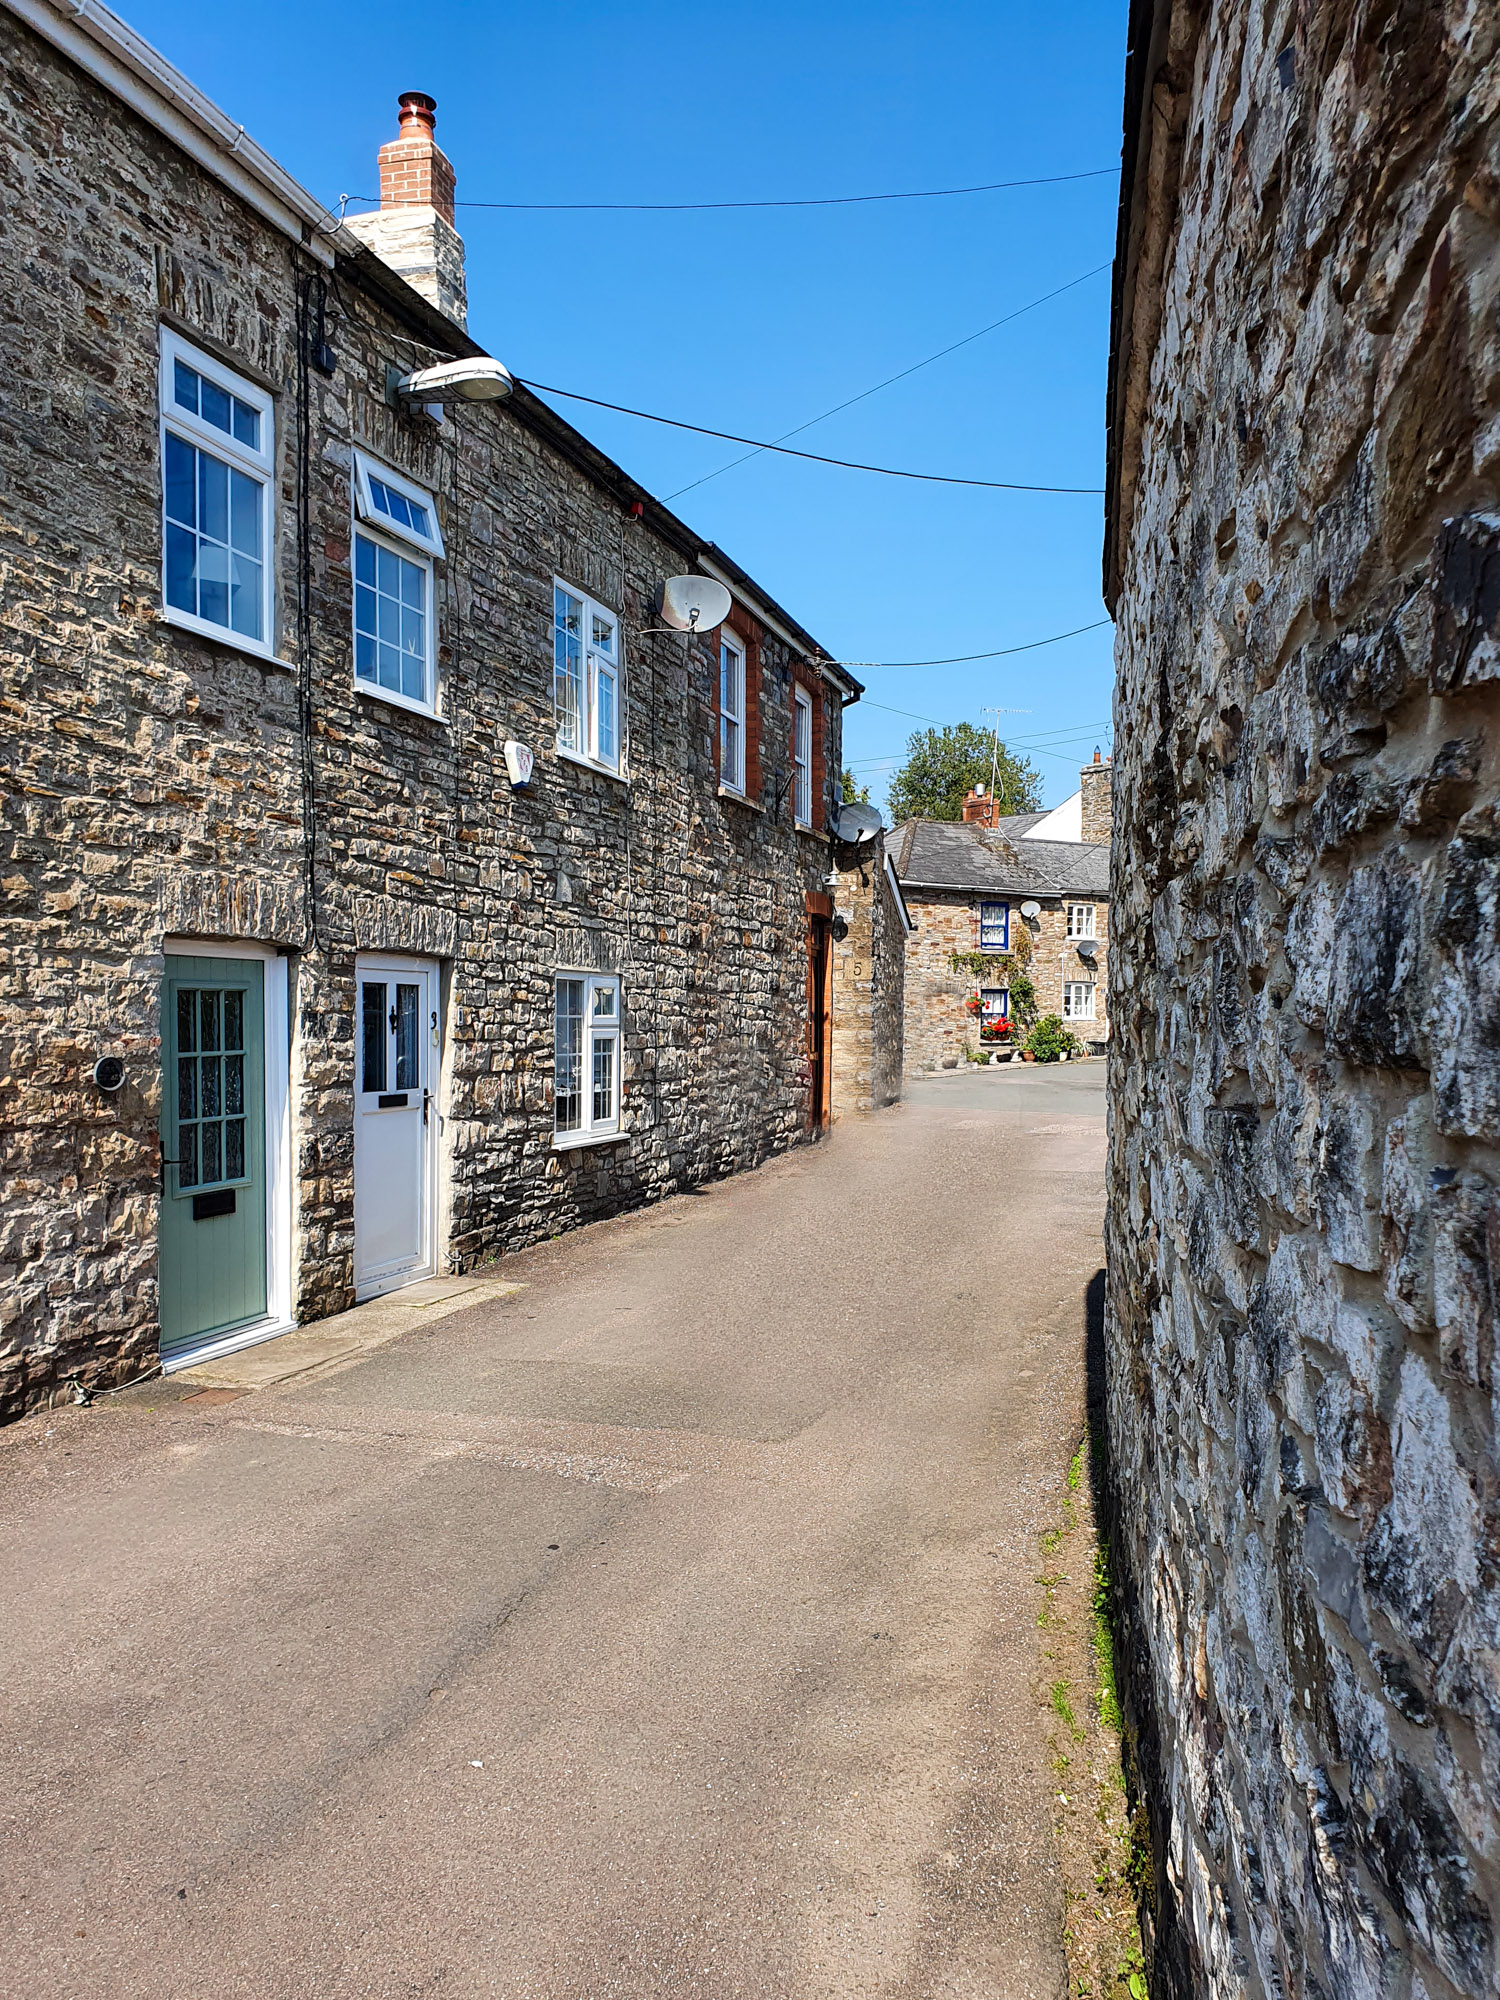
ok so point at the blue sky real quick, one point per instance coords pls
(758, 320)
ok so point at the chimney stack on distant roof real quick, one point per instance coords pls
(1096, 783)
(413, 229)
(979, 807)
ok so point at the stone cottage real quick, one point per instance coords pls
(388, 884)
(1303, 556)
(994, 897)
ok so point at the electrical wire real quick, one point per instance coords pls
(963, 659)
(816, 457)
(942, 352)
(807, 201)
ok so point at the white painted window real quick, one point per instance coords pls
(1078, 1000)
(802, 769)
(586, 677)
(1081, 920)
(396, 536)
(217, 465)
(586, 1074)
(731, 713)
(994, 926)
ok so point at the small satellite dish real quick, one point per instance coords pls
(692, 603)
(109, 1072)
(855, 824)
(1031, 911)
(1088, 948)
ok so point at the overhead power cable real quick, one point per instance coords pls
(967, 340)
(963, 659)
(816, 457)
(805, 201)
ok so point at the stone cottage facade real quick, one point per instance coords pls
(1304, 1227)
(385, 887)
(991, 896)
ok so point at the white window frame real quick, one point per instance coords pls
(378, 528)
(601, 1030)
(1072, 987)
(732, 720)
(259, 464)
(1083, 920)
(995, 903)
(802, 756)
(596, 667)
(365, 468)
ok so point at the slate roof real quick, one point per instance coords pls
(947, 854)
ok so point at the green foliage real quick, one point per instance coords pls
(1049, 1040)
(944, 765)
(1022, 1004)
(1075, 1471)
(850, 792)
(1103, 1637)
(1062, 1708)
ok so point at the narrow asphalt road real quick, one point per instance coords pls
(667, 1628)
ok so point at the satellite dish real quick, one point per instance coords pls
(1031, 911)
(692, 603)
(1088, 948)
(855, 824)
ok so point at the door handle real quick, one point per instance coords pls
(426, 1100)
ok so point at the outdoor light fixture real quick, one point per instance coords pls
(476, 380)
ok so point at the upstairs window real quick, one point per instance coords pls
(1078, 1000)
(731, 713)
(1081, 920)
(586, 678)
(586, 1057)
(218, 458)
(396, 538)
(802, 766)
(994, 926)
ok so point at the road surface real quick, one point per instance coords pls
(664, 1628)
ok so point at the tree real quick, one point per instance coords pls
(850, 792)
(944, 765)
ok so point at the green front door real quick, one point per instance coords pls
(213, 1138)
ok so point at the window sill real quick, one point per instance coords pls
(588, 764)
(812, 833)
(577, 1142)
(373, 691)
(738, 799)
(219, 635)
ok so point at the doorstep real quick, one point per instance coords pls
(329, 1343)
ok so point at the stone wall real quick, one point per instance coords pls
(869, 965)
(165, 784)
(1304, 1228)
(939, 1026)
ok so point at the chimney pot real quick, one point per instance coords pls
(417, 108)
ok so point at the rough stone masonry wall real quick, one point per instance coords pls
(154, 788)
(939, 1027)
(869, 965)
(1304, 1228)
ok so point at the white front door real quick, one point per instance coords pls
(397, 1038)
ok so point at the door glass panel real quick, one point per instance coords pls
(210, 1133)
(187, 1021)
(234, 1083)
(187, 1087)
(208, 1020)
(408, 1023)
(187, 1156)
(372, 1060)
(210, 1085)
(234, 1020)
(234, 1149)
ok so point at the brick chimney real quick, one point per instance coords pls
(413, 230)
(1096, 782)
(979, 807)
